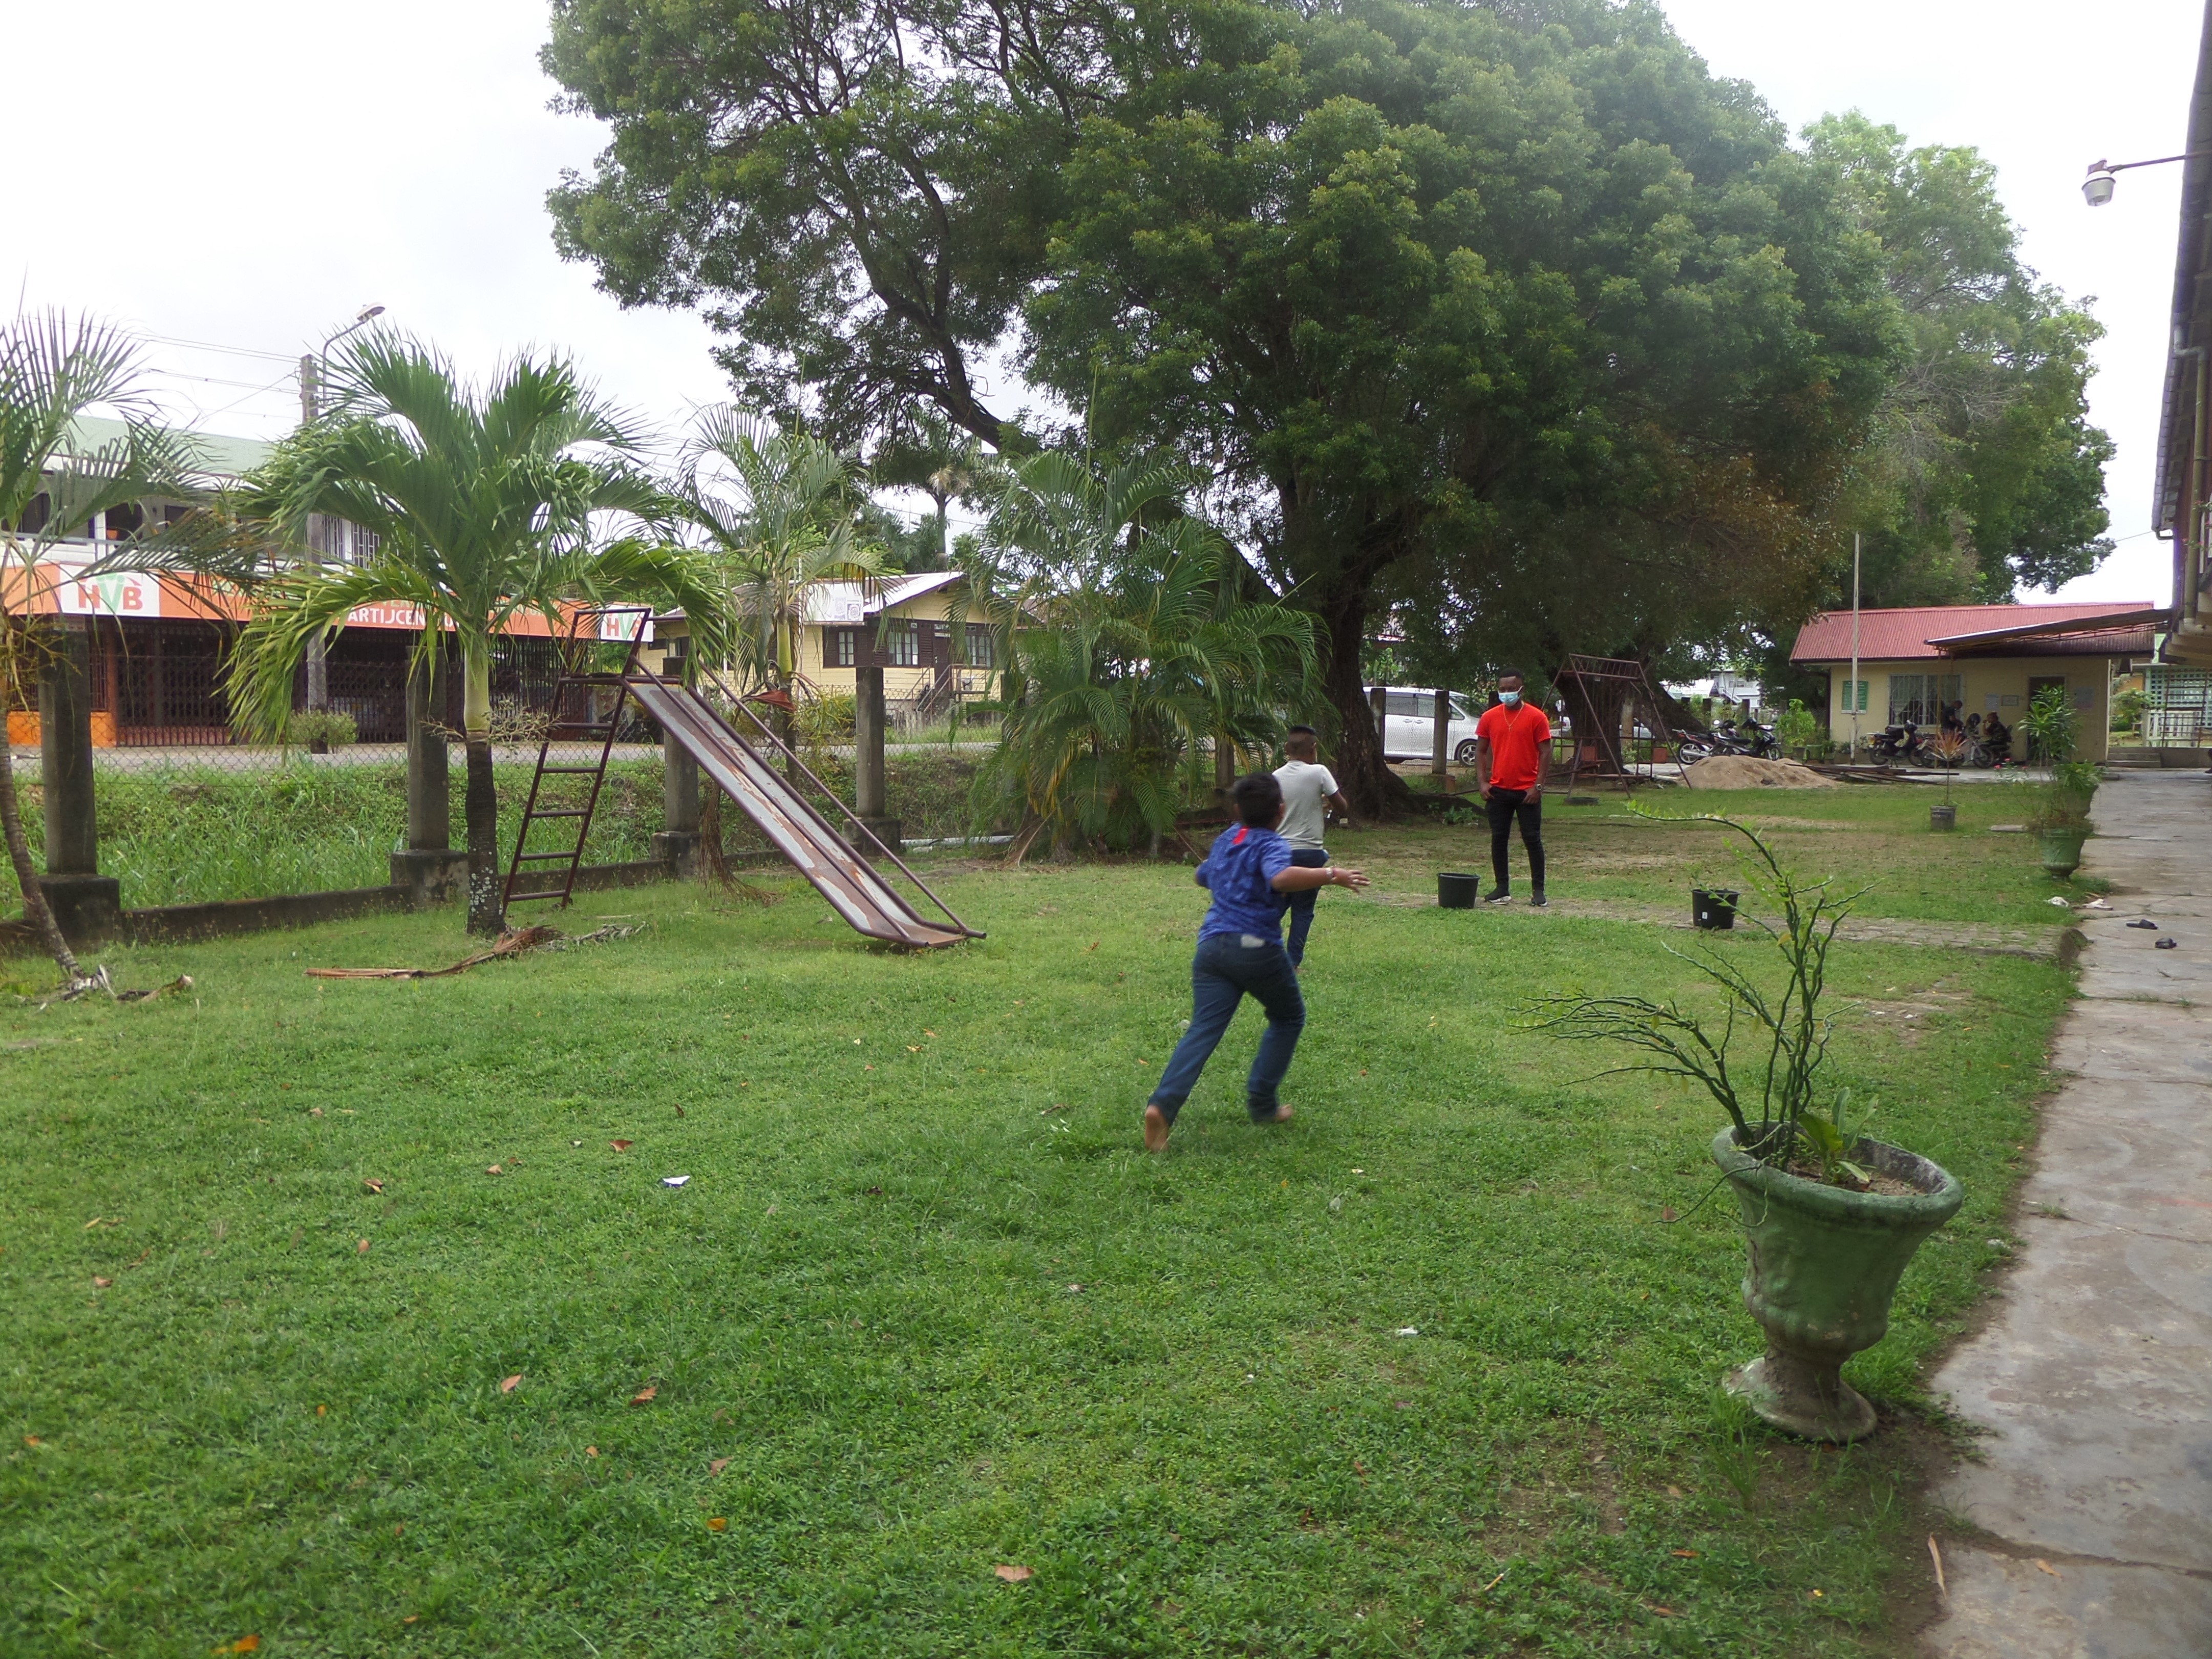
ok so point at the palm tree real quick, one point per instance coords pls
(486, 503)
(929, 454)
(53, 372)
(793, 524)
(1130, 633)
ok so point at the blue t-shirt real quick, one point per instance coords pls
(1238, 869)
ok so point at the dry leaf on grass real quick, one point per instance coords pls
(494, 1169)
(100, 1284)
(510, 1384)
(362, 1249)
(373, 1186)
(718, 1523)
(621, 1145)
(591, 1451)
(247, 1643)
(1687, 1555)
(644, 1395)
(718, 1466)
(1013, 1573)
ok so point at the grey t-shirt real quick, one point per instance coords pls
(1306, 790)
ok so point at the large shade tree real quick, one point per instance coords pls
(1395, 274)
(53, 481)
(488, 503)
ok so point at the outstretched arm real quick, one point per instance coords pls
(1299, 879)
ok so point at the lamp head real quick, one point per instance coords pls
(2097, 188)
(370, 313)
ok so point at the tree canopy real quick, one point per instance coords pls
(1512, 313)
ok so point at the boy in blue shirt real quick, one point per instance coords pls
(1240, 951)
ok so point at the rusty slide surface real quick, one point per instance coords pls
(854, 888)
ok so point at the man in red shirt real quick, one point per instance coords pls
(1512, 740)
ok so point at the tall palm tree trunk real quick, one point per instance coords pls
(26, 876)
(487, 900)
(487, 903)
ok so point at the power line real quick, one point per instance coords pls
(236, 351)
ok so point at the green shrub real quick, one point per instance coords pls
(332, 729)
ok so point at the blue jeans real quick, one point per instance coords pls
(1302, 904)
(1224, 970)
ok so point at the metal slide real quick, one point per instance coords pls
(854, 888)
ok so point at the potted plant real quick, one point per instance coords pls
(1949, 748)
(1829, 1218)
(2061, 817)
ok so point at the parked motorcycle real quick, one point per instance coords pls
(1900, 745)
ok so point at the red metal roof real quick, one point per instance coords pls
(1904, 634)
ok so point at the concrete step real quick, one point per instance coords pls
(2162, 759)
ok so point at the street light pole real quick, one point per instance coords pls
(1852, 699)
(2097, 184)
(313, 371)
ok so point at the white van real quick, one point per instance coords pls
(1409, 724)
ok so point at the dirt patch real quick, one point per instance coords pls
(1742, 772)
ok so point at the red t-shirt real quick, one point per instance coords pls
(1514, 736)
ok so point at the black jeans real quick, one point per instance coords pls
(1302, 904)
(1503, 806)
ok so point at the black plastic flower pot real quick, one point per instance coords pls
(1456, 890)
(1713, 908)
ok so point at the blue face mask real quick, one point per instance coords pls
(1511, 699)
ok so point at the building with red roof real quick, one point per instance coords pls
(1924, 662)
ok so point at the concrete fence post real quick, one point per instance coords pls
(428, 867)
(678, 842)
(85, 904)
(871, 785)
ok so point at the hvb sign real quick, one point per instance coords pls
(123, 595)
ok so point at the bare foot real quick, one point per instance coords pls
(1157, 1130)
(1282, 1114)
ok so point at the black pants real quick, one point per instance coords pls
(1505, 805)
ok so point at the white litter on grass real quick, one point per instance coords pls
(1409, 1330)
(2059, 901)
(674, 1180)
(2096, 904)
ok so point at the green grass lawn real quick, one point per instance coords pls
(925, 1308)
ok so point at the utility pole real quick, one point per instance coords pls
(1851, 698)
(318, 668)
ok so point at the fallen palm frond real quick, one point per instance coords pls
(86, 984)
(519, 943)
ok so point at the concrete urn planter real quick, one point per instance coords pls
(1823, 1265)
(2061, 851)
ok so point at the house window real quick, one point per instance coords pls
(982, 646)
(1859, 705)
(1925, 699)
(840, 648)
(902, 642)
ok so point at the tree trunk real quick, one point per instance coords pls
(1594, 707)
(1372, 787)
(27, 875)
(487, 895)
(487, 903)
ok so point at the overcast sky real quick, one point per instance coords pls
(245, 174)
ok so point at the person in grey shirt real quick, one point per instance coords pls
(1309, 790)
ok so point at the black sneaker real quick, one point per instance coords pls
(1536, 899)
(1498, 895)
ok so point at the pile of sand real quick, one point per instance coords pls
(1742, 772)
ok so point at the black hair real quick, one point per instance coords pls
(1512, 674)
(1258, 799)
(1303, 732)
(1302, 736)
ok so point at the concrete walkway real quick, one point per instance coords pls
(2092, 1492)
